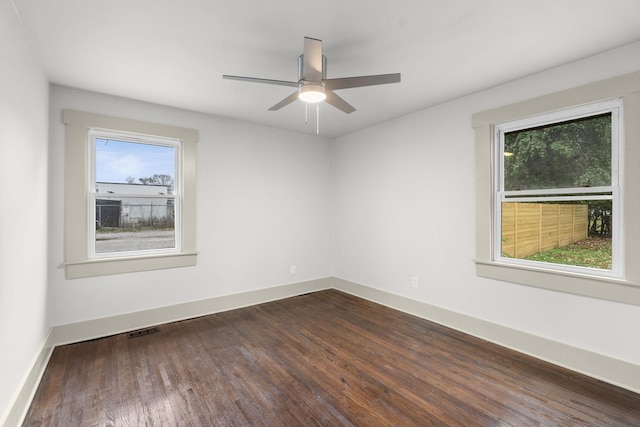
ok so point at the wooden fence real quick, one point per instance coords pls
(528, 228)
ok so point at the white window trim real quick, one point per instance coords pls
(613, 107)
(625, 288)
(78, 262)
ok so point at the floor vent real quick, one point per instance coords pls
(142, 332)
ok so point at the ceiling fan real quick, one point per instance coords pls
(313, 85)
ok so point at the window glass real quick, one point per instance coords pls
(126, 224)
(557, 196)
(575, 153)
(568, 233)
(134, 197)
(135, 163)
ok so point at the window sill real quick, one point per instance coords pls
(609, 288)
(108, 266)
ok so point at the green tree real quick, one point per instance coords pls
(575, 153)
(600, 218)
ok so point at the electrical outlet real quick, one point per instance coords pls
(414, 282)
(292, 269)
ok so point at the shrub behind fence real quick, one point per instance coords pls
(528, 228)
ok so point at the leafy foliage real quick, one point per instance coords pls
(600, 218)
(575, 153)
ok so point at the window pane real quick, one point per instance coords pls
(136, 164)
(575, 153)
(125, 223)
(576, 233)
(134, 224)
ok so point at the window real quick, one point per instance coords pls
(557, 190)
(593, 134)
(130, 195)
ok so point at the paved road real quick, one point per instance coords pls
(134, 241)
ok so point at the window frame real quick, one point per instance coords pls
(625, 288)
(93, 194)
(500, 195)
(78, 169)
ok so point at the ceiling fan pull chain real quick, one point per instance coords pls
(317, 119)
(306, 114)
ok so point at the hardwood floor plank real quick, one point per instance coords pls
(322, 359)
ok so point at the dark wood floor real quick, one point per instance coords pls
(325, 359)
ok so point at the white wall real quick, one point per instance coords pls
(262, 205)
(404, 205)
(24, 105)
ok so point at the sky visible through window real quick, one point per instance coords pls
(118, 161)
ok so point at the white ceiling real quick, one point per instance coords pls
(174, 52)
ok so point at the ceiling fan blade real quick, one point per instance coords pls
(338, 102)
(288, 100)
(312, 60)
(256, 80)
(349, 82)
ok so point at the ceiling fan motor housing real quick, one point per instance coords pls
(300, 66)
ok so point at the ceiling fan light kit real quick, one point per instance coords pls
(313, 85)
(311, 93)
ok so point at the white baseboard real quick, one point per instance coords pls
(103, 327)
(17, 409)
(605, 368)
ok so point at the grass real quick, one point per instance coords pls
(148, 224)
(131, 229)
(594, 252)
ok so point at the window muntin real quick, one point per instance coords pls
(134, 197)
(548, 165)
